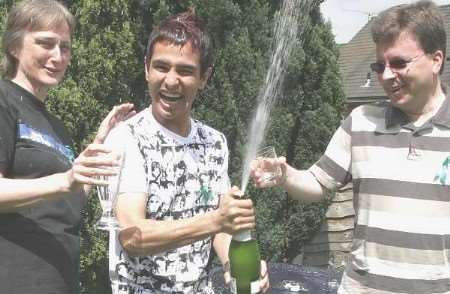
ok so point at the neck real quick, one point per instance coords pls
(180, 126)
(429, 109)
(39, 92)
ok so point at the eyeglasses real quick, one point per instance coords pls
(395, 65)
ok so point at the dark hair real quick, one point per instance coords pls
(28, 16)
(181, 29)
(422, 19)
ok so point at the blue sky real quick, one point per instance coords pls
(347, 17)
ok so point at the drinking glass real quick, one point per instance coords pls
(107, 195)
(271, 171)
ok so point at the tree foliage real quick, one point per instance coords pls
(107, 68)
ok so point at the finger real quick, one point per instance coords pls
(227, 277)
(263, 268)
(244, 212)
(97, 161)
(123, 110)
(242, 227)
(264, 277)
(261, 182)
(236, 191)
(90, 180)
(94, 172)
(95, 148)
(242, 203)
(130, 114)
(240, 222)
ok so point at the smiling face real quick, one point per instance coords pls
(174, 78)
(410, 88)
(43, 59)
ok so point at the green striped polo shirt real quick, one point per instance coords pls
(401, 196)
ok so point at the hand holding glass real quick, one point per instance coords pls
(266, 162)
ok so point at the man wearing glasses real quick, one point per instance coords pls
(397, 157)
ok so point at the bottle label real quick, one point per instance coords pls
(255, 287)
(233, 286)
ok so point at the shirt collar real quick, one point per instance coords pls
(395, 118)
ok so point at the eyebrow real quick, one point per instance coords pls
(180, 66)
(46, 38)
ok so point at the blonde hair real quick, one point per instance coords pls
(28, 16)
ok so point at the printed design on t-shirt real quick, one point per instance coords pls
(29, 133)
(184, 180)
(442, 174)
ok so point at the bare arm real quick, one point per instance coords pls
(221, 245)
(18, 193)
(94, 161)
(141, 236)
(302, 185)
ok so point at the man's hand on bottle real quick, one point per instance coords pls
(235, 213)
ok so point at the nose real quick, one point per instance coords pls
(171, 80)
(57, 53)
(388, 73)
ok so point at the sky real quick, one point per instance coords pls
(347, 17)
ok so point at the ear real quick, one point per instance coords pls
(15, 53)
(205, 78)
(438, 59)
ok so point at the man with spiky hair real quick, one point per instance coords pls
(175, 212)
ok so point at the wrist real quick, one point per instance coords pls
(226, 266)
(216, 221)
(65, 181)
(284, 177)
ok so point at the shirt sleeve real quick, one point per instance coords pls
(333, 169)
(8, 129)
(132, 175)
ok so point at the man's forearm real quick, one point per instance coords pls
(302, 185)
(147, 237)
(221, 245)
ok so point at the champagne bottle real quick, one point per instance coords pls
(245, 264)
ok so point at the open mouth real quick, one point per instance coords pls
(171, 97)
(52, 71)
(395, 89)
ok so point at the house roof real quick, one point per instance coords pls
(356, 55)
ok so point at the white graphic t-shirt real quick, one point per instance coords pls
(182, 177)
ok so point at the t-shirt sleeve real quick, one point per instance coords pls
(332, 170)
(132, 174)
(8, 128)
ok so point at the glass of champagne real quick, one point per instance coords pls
(271, 171)
(107, 195)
